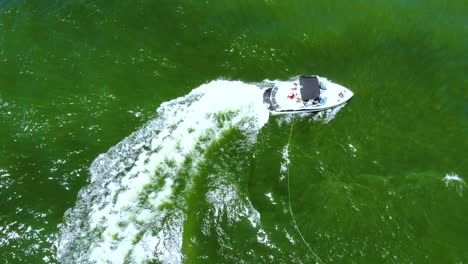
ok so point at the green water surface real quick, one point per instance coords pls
(77, 76)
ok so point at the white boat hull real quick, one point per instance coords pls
(283, 98)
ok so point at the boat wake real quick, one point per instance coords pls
(133, 209)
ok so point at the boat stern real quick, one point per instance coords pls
(267, 98)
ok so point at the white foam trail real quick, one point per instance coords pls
(226, 201)
(129, 212)
(287, 118)
(327, 115)
(285, 163)
(452, 179)
(5, 179)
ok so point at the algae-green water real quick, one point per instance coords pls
(134, 132)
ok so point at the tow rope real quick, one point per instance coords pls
(319, 260)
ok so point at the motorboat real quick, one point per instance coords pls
(304, 94)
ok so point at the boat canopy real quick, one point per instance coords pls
(310, 89)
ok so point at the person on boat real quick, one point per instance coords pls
(292, 94)
(294, 88)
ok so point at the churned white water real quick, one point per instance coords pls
(286, 162)
(129, 211)
(452, 177)
(453, 180)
